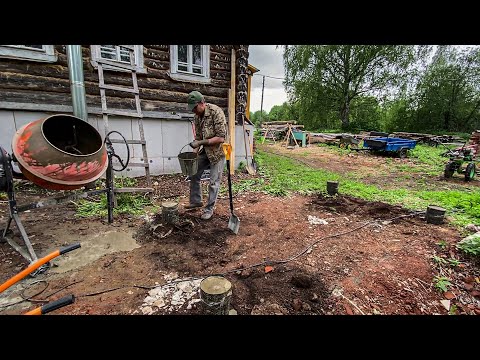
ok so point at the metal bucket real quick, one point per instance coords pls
(60, 152)
(188, 162)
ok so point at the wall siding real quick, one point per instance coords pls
(47, 85)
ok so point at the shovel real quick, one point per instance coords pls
(234, 221)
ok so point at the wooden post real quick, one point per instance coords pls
(435, 214)
(231, 111)
(215, 293)
(332, 187)
(169, 212)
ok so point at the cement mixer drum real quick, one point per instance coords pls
(60, 152)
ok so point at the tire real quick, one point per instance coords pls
(470, 172)
(402, 154)
(449, 170)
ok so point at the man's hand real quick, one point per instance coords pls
(197, 143)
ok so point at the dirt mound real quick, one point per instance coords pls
(344, 204)
(277, 292)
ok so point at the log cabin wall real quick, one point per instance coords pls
(32, 90)
(32, 82)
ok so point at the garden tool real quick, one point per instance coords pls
(51, 306)
(35, 265)
(249, 168)
(234, 221)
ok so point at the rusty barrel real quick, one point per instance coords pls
(60, 152)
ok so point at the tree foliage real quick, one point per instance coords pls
(327, 79)
(384, 88)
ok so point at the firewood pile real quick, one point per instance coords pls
(277, 130)
(429, 139)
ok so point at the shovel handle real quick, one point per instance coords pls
(54, 305)
(229, 184)
(35, 265)
(227, 150)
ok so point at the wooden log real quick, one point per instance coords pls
(223, 49)
(36, 69)
(332, 188)
(156, 64)
(169, 212)
(159, 47)
(219, 57)
(280, 122)
(220, 75)
(155, 54)
(215, 293)
(216, 65)
(62, 60)
(435, 214)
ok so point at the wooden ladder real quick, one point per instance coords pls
(137, 114)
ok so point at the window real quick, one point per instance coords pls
(190, 63)
(44, 53)
(117, 53)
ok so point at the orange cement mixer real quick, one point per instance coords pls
(60, 152)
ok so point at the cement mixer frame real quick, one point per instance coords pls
(7, 175)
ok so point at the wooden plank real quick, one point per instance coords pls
(130, 47)
(138, 165)
(231, 112)
(128, 190)
(163, 115)
(122, 113)
(118, 141)
(118, 88)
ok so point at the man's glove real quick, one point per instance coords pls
(196, 143)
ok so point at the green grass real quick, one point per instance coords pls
(283, 176)
(127, 203)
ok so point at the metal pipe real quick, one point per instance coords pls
(77, 85)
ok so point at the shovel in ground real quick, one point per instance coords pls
(234, 221)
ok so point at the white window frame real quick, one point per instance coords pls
(139, 65)
(45, 54)
(190, 76)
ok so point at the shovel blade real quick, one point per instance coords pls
(234, 223)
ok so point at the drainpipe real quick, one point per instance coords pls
(77, 85)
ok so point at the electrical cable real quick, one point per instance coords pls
(271, 77)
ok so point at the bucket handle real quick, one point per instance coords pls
(182, 148)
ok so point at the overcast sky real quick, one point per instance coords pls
(269, 61)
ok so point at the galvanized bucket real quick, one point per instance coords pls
(188, 162)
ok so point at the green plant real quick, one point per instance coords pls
(454, 262)
(241, 166)
(443, 244)
(124, 181)
(453, 310)
(439, 260)
(133, 204)
(470, 244)
(442, 283)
